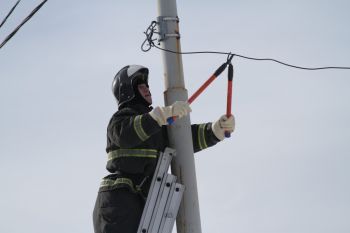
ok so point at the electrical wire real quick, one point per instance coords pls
(149, 41)
(8, 15)
(22, 23)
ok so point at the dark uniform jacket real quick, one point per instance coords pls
(134, 140)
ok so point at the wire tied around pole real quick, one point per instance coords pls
(149, 37)
(152, 29)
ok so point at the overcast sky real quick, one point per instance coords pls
(284, 170)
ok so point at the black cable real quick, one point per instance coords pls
(149, 38)
(22, 23)
(8, 15)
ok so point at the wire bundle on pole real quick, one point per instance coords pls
(149, 42)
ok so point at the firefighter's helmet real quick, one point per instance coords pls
(124, 81)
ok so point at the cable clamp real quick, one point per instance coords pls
(167, 28)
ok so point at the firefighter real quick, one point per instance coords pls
(136, 134)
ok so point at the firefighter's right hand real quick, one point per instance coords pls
(177, 109)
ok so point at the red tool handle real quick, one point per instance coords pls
(170, 120)
(207, 83)
(229, 95)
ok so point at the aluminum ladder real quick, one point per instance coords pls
(163, 199)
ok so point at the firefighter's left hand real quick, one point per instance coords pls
(224, 124)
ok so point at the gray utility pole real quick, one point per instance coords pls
(180, 136)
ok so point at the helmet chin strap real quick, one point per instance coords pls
(138, 99)
(143, 101)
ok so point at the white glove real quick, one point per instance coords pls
(224, 124)
(177, 109)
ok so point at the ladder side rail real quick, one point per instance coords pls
(161, 204)
(170, 214)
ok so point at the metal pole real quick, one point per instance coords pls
(180, 136)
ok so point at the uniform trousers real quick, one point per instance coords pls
(117, 211)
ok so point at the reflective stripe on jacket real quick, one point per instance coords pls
(134, 139)
(141, 153)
